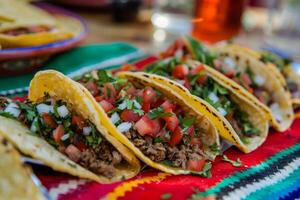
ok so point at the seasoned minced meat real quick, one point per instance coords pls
(101, 160)
(162, 151)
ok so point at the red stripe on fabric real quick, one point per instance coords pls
(142, 63)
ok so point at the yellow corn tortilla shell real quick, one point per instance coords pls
(16, 14)
(212, 136)
(273, 84)
(15, 177)
(224, 128)
(60, 87)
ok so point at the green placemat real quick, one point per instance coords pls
(75, 62)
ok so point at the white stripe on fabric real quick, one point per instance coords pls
(64, 188)
(267, 181)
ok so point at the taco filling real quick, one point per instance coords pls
(156, 125)
(200, 84)
(283, 64)
(26, 30)
(66, 131)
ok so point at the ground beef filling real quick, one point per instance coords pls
(178, 156)
(101, 160)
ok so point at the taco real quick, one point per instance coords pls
(23, 24)
(59, 127)
(154, 122)
(15, 177)
(238, 120)
(290, 76)
(260, 86)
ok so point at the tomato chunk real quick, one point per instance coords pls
(49, 120)
(196, 165)
(107, 106)
(167, 105)
(73, 153)
(176, 137)
(180, 71)
(146, 107)
(147, 126)
(58, 133)
(109, 93)
(78, 121)
(197, 70)
(129, 116)
(246, 79)
(149, 95)
(99, 98)
(92, 87)
(171, 122)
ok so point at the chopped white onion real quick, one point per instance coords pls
(13, 109)
(276, 111)
(122, 106)
(213, 97)
(179, 53)
(63, 111)
(259, 80)
(222, 111)
(33, 127)
(229, 62)
(124, 127)
(137, 104)
(86, 130)
(64, 137)
(115, 118)
(181, 82)
(44, 108)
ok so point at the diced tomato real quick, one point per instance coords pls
(73, 153)
(246, 79)
(78, 121)
(180, 71)
(129, 116)
(230, 73)
(198, 69)
(106, 105)
(186, 83)
(176, 137)
(217, 64)
(146, 107)
(109, 93)
(250, 90)
(171, 122)
(131, 90)
(147, 126)
(92, 87)
(58, 133)
(167, 105)
(196, 165)
(48, 120)
(190, 131)
(196, 141)
(157, 103)
(149, 95)
(99, 98)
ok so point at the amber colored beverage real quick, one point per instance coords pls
(221, 19)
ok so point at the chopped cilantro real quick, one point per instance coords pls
(158, 113)
(215, 148)
(28, 109)
(157, 140)
(234, 163)
(104, 77)
(186, 123)
(6, 114)
(167, 162)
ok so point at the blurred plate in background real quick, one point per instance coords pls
(21, 60)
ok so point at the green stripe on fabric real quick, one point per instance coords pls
(278, 189)
(253, 170)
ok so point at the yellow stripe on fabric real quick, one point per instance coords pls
(128, 186)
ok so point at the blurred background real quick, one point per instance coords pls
(153, 24)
